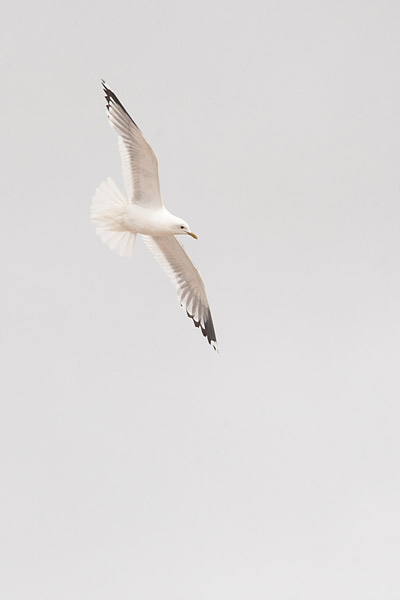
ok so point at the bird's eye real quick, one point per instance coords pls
(182, 227)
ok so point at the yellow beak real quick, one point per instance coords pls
(193, 235)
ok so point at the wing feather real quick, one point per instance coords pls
(171, 256)
(139, 163)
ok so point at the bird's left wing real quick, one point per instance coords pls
(139, 163)
(173, 259)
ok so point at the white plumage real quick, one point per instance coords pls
(118, 218)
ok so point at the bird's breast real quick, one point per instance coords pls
(139, 219)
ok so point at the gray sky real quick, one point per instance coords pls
(135, 462)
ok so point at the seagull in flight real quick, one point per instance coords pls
(118, 218)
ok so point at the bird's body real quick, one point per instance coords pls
(148, 222)
(119, 218)
(139, 219)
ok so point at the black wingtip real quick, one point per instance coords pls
(111, 97)
(208, 330)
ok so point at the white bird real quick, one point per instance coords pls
(119, 218)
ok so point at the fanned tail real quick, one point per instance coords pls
(107, 206)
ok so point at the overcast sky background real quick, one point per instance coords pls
(135, 462)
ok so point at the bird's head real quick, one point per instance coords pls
(182, 228)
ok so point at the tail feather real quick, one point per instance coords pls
(107, 203)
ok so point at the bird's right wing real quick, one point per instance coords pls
(173, 259)
(139, 163)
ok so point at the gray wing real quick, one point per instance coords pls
(139, 163)
(173, 259)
